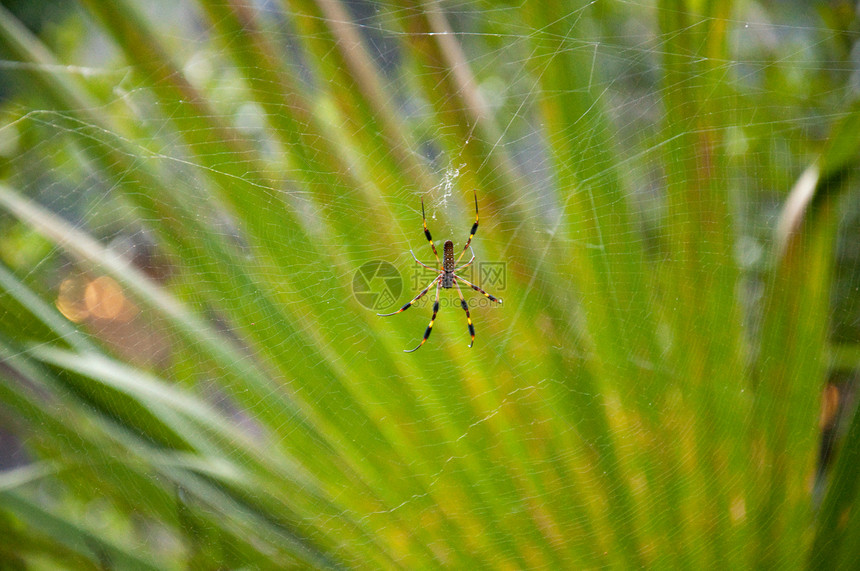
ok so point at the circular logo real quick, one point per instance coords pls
(377, 285)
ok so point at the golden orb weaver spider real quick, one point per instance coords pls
(447, 277)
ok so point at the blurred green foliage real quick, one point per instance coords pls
(187, 190)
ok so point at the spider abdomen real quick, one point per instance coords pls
(448, 265)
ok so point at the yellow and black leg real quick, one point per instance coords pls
(472, 231)
(414, 299)
(429, 327)
(465, 307)
(476, 288)
(427, 234)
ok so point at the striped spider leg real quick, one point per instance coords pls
(472, 232)
(414, 299)
(479, 290)
(465, 307)
(447, 278)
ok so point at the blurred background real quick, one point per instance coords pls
(205, 204)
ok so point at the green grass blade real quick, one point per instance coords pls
(73, 534)
(792, 364)
(835, 543)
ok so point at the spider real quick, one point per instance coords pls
(447, 277)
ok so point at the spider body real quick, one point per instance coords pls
(448, 265)
(447, 278)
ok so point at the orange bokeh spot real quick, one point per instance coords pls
(69, 300)
(105, 299)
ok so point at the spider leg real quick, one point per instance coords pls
(476, 288)
(466, 265)
(422, 263)
(465, 307)
(414, 299)
(432, 319)
(427, 232)
(474, 229)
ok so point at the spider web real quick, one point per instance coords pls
(437, 414)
